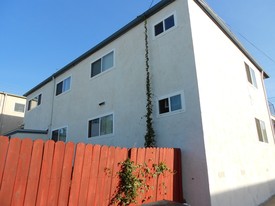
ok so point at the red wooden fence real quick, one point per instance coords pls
(49, 173)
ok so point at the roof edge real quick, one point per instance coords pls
(219, 22)
(105, 42)
(13, 95)
(30, 131)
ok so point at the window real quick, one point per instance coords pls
(34, 102)
(102, 64)
(59, 134)
(164, 25)
(101, 126)
(19, 107)
(170, 104)
(260, 125)
(63, 86)
(250, 73)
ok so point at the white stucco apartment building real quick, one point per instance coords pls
(12, 109)
(208, 94)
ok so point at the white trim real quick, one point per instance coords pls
(98, 117)
(101, 57)
(57, 128)
(55, 86)
(164, 31)
(183, 105)
(28, 100)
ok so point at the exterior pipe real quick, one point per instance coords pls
(267, 106)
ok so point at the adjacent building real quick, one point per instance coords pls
(12, 109)
(208, 95)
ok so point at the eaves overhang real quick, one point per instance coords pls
(219, 22)
(105, 42)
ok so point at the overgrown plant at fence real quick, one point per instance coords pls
(133, 178)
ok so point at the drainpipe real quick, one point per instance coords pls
(51, 120)
(267, 106)
(2, 112)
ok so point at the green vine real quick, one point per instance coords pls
(150, 133)
(133, 181)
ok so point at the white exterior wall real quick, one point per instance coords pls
(9, 118)
(240, 167)
(173, 67)
(39, 118)
(30, 135)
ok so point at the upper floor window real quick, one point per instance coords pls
(170, 104)
(34, 102)
(63, 86)
(104, 63)
(250, 73)
(59, 134)
(19, 107)
(164, 25)
(101, 126)
(261, 130)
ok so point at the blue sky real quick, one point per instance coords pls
(39, 37)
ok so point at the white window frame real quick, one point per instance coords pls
(99, 117)
(251, 75)
(19, 104)
(183, 104)
(261, 130)
(162, 20)
(31, 99)
(63, 80)
(100, 58)
(59, 128)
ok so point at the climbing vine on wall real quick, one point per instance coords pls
(150, 133)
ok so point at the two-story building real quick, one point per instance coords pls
(208, 99)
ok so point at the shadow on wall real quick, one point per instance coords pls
(253, 195)
(9, 123)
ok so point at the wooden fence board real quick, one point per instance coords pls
(66, 174)
(84, 185)
(46, 169)
(150, 159)
(9, 174)
(120, 155)
(34, 173)
(140, 160)
(108, 176)
(22, 172)
(93, 176)
(101, 175)
(4, 145)
(161, 180)
(56, 173)
(177, 177)
(77, 172)
(170, 164)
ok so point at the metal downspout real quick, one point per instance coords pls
(2, 112)
(51, 120)
(267, 106)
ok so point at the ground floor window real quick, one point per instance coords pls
(59, 134)
(100, 126)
